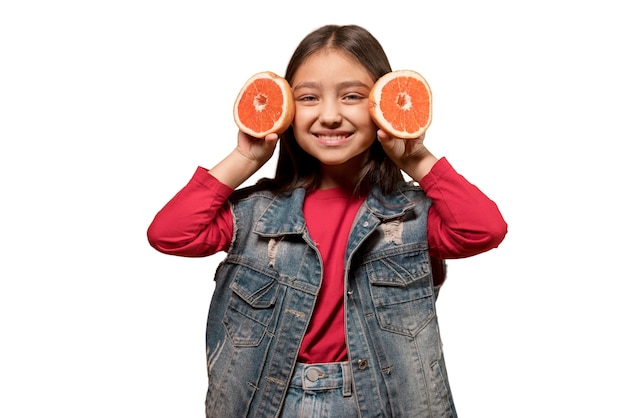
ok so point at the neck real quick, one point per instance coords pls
(342, 176)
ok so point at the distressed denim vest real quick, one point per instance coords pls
(266, 289)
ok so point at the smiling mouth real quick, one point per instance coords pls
(333, 139)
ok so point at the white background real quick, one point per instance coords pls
(107, 108)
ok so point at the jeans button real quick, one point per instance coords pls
(362, 364)
(312, 375)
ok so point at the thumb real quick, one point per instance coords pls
(387, 142)
(271, 140)
(383, 136)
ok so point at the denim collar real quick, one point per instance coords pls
(284, 216)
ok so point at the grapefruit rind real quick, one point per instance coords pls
(264, 105)
(411, 103)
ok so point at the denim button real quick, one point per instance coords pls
(312, 375)
(362, 364)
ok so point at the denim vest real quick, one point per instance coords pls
(266, 289)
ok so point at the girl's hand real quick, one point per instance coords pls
(254, 149)
(249, 155)
(409, 154)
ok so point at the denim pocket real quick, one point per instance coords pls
(250, 307)
(402, 293)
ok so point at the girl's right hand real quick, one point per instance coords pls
(256, 150)
(249, 155)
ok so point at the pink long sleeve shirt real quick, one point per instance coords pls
(462, 222)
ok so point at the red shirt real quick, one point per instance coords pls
(329, 215)
(462, 222)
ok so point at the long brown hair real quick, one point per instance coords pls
(295, 168)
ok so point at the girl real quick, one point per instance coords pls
(324, 305)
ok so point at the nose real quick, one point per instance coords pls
(330, 114)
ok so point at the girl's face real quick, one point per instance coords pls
(332, 121)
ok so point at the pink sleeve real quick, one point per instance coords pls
(462, 221)
(197, 221)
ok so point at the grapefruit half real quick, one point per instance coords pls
(264, 105)
(400, 103)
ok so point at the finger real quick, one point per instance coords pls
(272, 137)
(383, 136)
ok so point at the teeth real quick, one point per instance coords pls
(331, 138)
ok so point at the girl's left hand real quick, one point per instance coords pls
(409, 154)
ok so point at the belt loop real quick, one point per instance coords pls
(302, 384)
(347, 378)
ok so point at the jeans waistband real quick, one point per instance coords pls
(323, 376)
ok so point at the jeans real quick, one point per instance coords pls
(320, 391)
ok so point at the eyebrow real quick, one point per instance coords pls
(341, 86)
